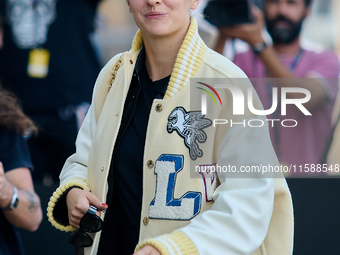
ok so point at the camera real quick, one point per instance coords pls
(228, 12)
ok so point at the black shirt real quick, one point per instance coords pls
(13, 154)
(121, 229)
(73, 65)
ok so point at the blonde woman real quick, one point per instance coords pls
(136, 145)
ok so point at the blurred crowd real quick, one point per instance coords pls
(51, 52)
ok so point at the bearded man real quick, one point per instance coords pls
(286, 58)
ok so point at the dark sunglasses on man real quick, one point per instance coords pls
(90, 223)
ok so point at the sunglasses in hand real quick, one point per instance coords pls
(90, 223)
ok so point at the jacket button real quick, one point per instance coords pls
(131, 62)
(159, 107)
(146, 221)
(117, 114)
(102, 169)
(150, 164)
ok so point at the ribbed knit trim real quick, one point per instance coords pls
(176, 243)
(189, 58)
(77, 182)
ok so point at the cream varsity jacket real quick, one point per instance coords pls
(184, 212)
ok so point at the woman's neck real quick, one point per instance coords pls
(161, 53)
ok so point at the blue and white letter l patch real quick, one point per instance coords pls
(164, 205)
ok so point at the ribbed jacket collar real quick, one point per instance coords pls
(188, 60)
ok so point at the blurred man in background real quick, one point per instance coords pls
(285, 58)
(315, 208)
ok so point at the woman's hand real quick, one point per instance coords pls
(6, 189)
(148, 250)
(78, 203)
(28, 213)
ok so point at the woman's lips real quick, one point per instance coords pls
(155, 15)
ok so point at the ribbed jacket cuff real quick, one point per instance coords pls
(55, 198)
(176, 243)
